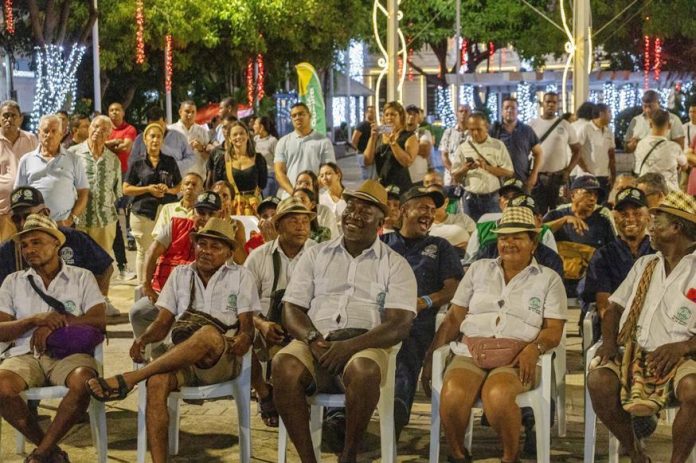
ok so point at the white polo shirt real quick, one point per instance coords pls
(664, 159)
(479, 181)
(514, 311)
(667, 315)
(230, 292)
(75, 287)
(598, 142)
(640, 127)
(556, 145)
(195, 132)
(341, 291)
(260, 264)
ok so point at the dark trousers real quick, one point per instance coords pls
(606, 188)
(409, 362)
(545, 192)
(476, 205)
(120, 249)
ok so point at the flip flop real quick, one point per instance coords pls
(35, 457)
(110, 393)
(269, 414)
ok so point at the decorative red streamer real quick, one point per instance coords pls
(491, 49)
(658, 58)
(463, 52)
(410, 68)
(168, 65)
(9, 18)
(646, 62)
(250, 81)
(139, 27)
(260, 77)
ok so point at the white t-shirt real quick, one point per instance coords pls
(578, 126)
(598, 142)
(663, 159)
(556, 146)
(478, 180)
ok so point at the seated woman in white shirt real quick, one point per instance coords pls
(331, 178)
(325, 216)
(511, 298)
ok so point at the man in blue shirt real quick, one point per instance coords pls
(580, 228)
(437, 268)
(79, 249)
(520, 140)
(175, 144)
(612, 262)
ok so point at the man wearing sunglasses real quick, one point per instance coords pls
(79, 249)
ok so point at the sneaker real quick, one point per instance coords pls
(130, 245)
(126, 275)
(111, 311)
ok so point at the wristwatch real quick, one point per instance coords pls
(75, 219)
(540, 347)
(312, 335)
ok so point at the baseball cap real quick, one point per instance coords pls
(208, 200)
(628, 196)
(393, 191)
(420, 192)
(586, 182)
(511, 184)
(25, 196)
(524, 201)
(268, 201)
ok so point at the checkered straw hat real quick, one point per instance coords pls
(516, 220)
(680, 204)
(39, 222)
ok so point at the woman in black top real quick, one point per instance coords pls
(395, 150)
(240, 165)
(153, 181)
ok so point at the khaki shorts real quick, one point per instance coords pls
(455, 362)
(685, 369)
(226, 368)
(322, 378)
(45, 370)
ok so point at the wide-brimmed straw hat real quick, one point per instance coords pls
(516, 220)
(371, 191)
(680, 204)
(219, 229)
(39, 222)
(291, 205)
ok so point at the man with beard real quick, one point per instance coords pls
(436, 266)
(350, 300)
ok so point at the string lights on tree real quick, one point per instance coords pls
(9, 17)
(527, 107)
(56, 80)
(464, 57)
(410, 68)
(658, 58)
(646, 62)
(168, 63)
(492, 106)
(260, 77)
(250, 81)
(139, 31)
(443, 105)
(466, 95)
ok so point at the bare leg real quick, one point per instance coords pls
(203, 348)
(291, 379)
(71, 408)
(498, 396)
(683, 430)
(15, 410)
(157, 416)
(605, 392)
(362, 379)
(459, 392)
(257, 380)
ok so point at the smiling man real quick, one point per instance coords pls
(436, 266)
(350, 300)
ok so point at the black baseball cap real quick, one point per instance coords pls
(208, 200)
(524, 201)
(511, 184)
(586, 182)
(25, 196)
(632, 196)
(420, 192)
(393, 191)
(268, 202)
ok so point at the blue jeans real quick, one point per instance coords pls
(476, 205)
(271, 186)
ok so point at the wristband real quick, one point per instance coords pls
(428, 301)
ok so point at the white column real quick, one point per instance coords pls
(392, 49)
(582, 22)
(457, 54)
(96, 71)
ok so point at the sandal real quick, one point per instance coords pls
(467, 458)
(110, 393)
(59, 456)
(269, 414)
(35, 457)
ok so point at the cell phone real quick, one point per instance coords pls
(384, 129)
(469, 159)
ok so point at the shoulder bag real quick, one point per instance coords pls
(548, 132)
(70, 339)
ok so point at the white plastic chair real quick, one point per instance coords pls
(591, 421)
(539, 399)
(96, 410)
(239, 388)
(385, 409)
(251, 224)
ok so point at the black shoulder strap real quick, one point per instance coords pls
(648, 155)
(54, 303)
(548, 132)
(276, 270)
(497, 127)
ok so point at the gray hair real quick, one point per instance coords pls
(655, 181)
(48, 118)
(102, 118)
(11, 104)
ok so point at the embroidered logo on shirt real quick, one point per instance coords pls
(430, 251)
(68, 255)
(70, 307)
(535, 305)
(682, 316)
(232, 303)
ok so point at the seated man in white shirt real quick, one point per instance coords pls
(213, 286)
(350, 300)
(655, 153)
(271, 264)
(26, 322)
(652, 312)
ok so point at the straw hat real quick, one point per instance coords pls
(516, 220)
(291, 205)
(39, 222)
(372, 192)
(680, 204)
(219, 229)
